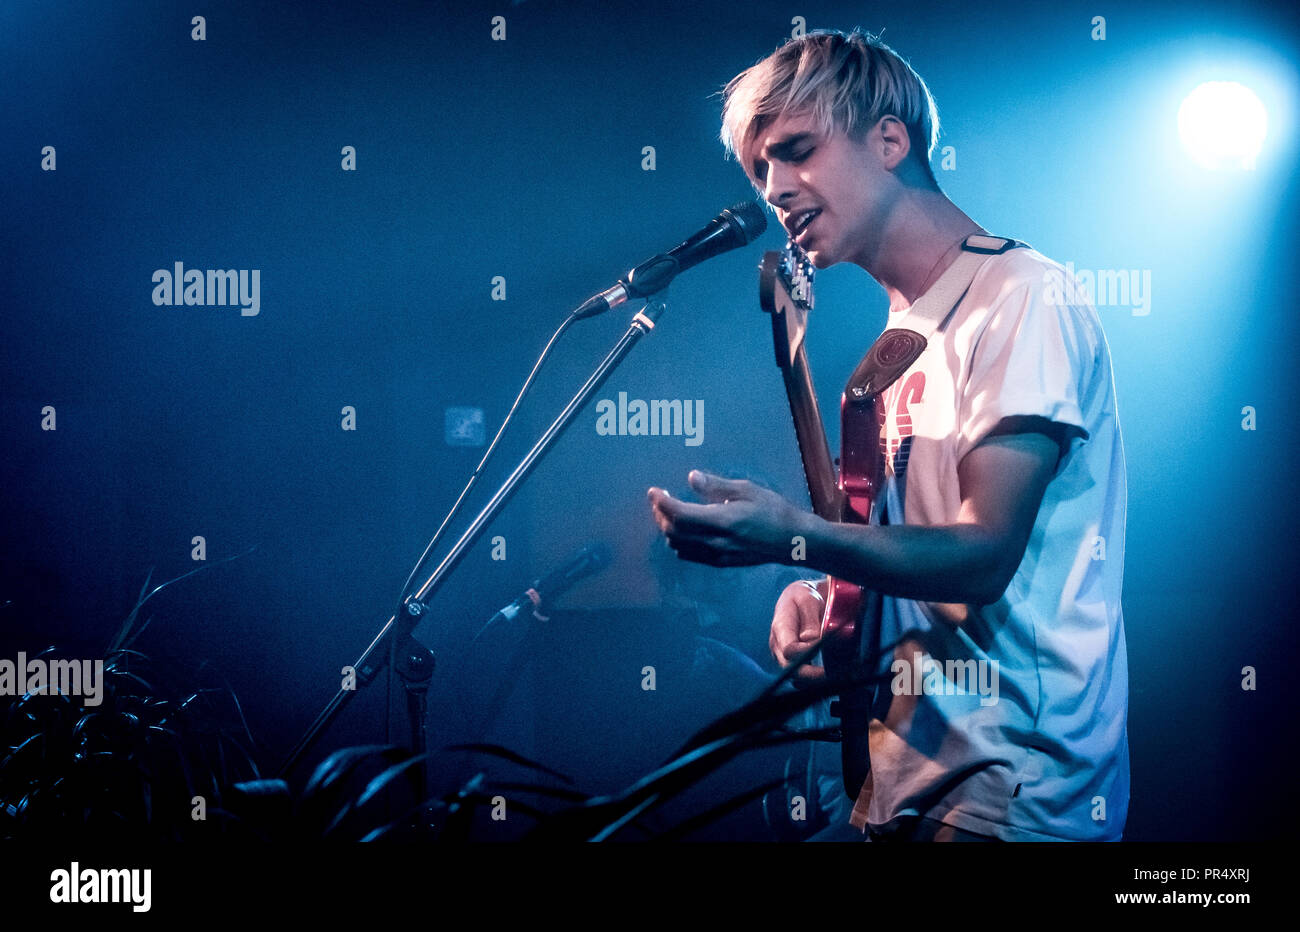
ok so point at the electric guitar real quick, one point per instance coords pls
(785, 292)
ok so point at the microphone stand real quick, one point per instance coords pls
(412, 661)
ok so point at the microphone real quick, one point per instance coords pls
(586, 562)
(736, 226)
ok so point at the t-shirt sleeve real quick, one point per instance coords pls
(1034, 358)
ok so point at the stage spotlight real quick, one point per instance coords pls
(1222, 125)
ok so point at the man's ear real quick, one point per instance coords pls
(895, 142)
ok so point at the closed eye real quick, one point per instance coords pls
(785, 151)
(760, 170)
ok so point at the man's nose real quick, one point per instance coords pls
(781, 184)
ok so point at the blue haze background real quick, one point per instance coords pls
(523, 159)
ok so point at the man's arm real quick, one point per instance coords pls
(1002, 481)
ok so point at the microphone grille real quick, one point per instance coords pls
(750, 219)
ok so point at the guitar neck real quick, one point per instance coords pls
(818, 468)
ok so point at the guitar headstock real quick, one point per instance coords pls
(785, 290)
(786, 277)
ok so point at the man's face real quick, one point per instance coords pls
(799, 170)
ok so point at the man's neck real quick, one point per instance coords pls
(920, 239)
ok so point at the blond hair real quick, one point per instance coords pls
(846, 81)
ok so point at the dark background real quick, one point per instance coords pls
(523, 159)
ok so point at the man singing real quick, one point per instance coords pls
(1000, 534)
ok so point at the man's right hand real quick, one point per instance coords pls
(796, 624)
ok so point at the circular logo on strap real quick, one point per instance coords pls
(898, 346)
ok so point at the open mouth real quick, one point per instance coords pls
(805, 221)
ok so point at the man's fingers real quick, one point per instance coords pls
(810, 622)
(684, 518)
(787, 653)
(663, 508)
(715, 488)
(796, 622)
(809, 674)
(693, 530)
(777, 641)
(669, 512)
(784, 630)
(800, 646)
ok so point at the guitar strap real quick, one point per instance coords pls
(899, 346)
(889, 357)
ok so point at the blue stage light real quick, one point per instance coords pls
(1222, 124)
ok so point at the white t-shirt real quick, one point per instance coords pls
(1028, 742)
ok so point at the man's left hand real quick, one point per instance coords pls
(742, 524)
